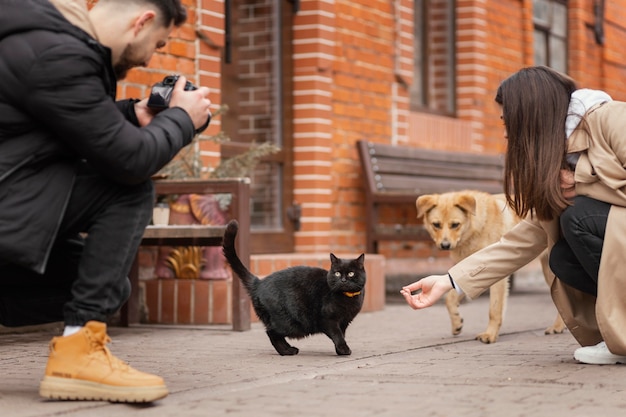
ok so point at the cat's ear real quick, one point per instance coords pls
(333, 258)
(361, 259)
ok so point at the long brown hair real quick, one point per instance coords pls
(535, 102)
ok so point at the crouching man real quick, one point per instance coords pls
(75, 168)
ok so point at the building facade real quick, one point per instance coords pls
(315, 76)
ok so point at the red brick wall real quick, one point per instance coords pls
(596, 66)
(207, 17)
(314, 54)
(510, 29)
(361, 94)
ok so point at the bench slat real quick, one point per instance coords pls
(183, 235)
(431, 185)
(417, 169)
(405, 152)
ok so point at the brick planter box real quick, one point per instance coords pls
(185, 301)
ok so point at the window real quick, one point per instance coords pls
(550, 34)
(256, 77)
(434, 83)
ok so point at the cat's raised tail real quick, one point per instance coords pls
(228, 248)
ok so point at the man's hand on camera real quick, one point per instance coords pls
(195, 102)
(143, 112)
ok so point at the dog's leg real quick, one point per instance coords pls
(498, 294)
(559, 325)
(453, 299)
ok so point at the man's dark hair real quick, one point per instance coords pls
(172, 11)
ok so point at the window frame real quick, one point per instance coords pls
(547, 28)
(424, 59)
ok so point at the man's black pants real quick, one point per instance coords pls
(87, 273)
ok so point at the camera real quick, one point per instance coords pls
(161, 94)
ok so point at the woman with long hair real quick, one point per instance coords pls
(565, 176)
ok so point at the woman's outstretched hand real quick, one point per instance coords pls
(430, 288)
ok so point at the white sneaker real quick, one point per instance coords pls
(597, 355)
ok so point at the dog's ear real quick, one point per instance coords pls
(424, 203)
(467, 203)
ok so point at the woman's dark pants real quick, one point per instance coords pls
(575, 258)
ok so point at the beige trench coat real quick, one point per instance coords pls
(600, 174)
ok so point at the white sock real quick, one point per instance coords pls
(70, 330)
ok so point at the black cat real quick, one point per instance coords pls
(300, 301)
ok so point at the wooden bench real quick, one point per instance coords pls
(200, 235)
(396, 175)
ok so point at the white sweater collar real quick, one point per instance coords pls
(581, 101)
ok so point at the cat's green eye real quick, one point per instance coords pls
(350, 274)
(337, 274)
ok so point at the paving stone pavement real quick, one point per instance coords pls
(404, 362)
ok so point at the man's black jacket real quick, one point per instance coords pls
(57, 108)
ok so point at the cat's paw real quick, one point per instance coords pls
(290, 351)
(343, 350)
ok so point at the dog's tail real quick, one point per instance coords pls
(248, 279)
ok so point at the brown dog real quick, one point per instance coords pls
(464, 222)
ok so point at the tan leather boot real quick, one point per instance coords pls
(81, 367)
